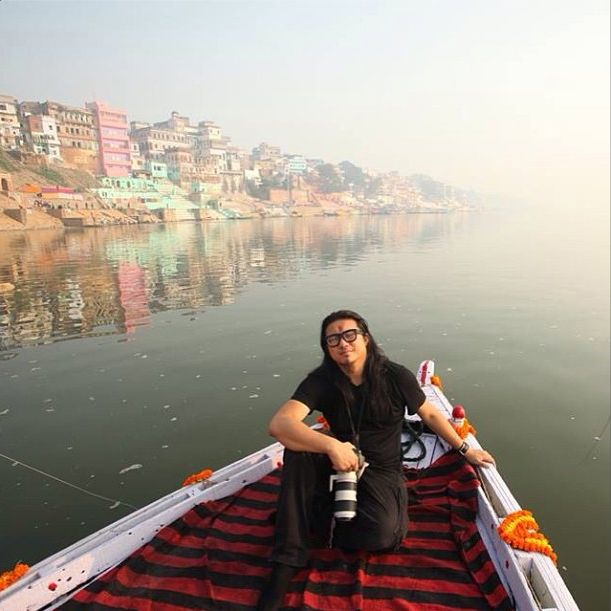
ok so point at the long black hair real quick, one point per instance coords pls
(374, 378)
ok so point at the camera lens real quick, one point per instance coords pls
(344, 499)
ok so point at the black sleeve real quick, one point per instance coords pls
(409, 388)
(310, 392)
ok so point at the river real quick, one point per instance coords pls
(131, 357)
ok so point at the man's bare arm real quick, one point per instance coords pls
(288, 428)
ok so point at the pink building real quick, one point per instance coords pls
(115, 157)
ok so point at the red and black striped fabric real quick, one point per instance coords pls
(216, 557)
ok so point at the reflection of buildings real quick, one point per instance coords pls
(28, 325)
(132, 295)
(111, 280)
(101, 308)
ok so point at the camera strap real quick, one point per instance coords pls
(356, 430)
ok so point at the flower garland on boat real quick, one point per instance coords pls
(460, 423)
(8, 578)
(436, 381)
(463, 429)
(520, 530)
(195, 478)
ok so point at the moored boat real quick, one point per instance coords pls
(205, 546)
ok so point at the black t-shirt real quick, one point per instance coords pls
(380, 423)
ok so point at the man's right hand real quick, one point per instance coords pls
(343, 456)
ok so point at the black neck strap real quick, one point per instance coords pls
(356, 431)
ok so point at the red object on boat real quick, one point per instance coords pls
(458, 412)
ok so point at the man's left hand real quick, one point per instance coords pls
(479, 458)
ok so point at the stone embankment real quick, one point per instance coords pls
(32, 218)
(18, 219)
(23, 207)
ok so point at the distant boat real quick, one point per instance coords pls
(207, 545)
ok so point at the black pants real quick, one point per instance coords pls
(305, 510)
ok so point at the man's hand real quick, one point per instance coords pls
(479, 458)
(343, 456)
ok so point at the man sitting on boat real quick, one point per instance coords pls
(362, 396)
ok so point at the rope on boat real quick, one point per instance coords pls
(414, 430)
(115, 502)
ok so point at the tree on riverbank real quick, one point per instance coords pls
(329, 180)
(354, 177)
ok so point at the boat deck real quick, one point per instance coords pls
(216, 557)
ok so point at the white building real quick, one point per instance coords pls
(41, 135)
(138, 161)
(211, 146)
(155, 139)
(10, 130)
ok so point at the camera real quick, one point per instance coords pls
(343, 486)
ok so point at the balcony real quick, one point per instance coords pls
(114, 145)
(113, 124)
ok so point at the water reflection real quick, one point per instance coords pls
(76, 283)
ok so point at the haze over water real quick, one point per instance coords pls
(158, 351)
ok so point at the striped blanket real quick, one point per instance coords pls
(216, 557)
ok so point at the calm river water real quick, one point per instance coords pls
(167, 348)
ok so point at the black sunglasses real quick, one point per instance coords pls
(349, 335)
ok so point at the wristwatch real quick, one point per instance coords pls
(464, 448)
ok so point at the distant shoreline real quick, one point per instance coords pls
(31, 219)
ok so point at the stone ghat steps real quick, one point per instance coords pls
(28, 218)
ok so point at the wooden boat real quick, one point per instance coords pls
(531, 580)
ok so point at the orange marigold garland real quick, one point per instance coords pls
(460, 423)
(436, 381)
(198, 477)
(520, 530)
(463, 429)
(8, 578)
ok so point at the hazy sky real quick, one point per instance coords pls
(504, 96)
